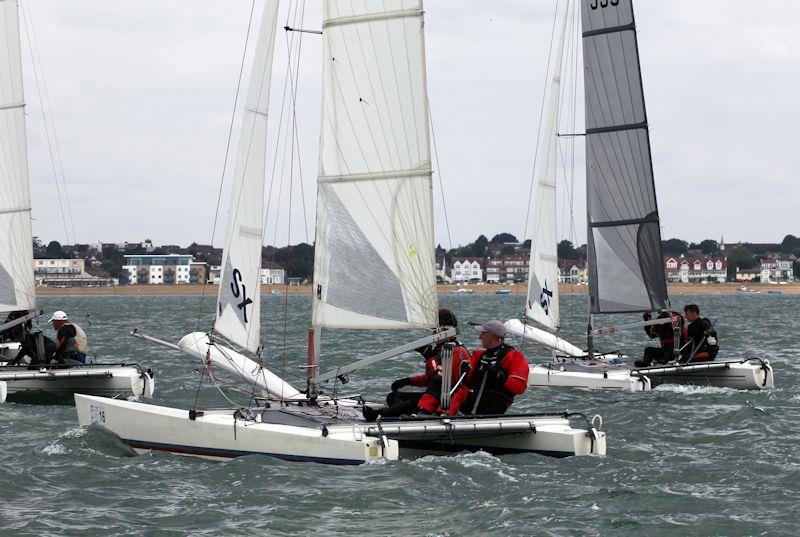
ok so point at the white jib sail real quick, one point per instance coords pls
(239, 307)
(542, 303)
(374, 262)
(17, 286)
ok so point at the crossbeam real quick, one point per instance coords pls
(21, 320)
(345, 369)
(52, 375)
(678, 369)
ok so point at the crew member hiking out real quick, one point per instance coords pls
(702, 338)
(665, 333)
(427, 402)
(499, 372)
(72, 343)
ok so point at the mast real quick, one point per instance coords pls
(17, 285)
(626, 271)
(374, 253)
(542, 304)
(239, 306)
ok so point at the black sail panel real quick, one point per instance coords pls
(624, 240)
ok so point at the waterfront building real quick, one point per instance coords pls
(696, 269)
(507, 269)
(66, 273)
(466, 270)
(215, 274)
(777, 269)
(573, 272)
(154, 269)
(272, 273)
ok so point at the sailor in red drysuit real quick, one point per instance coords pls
(428, 402)
(498, 373)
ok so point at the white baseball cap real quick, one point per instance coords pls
(58, 316)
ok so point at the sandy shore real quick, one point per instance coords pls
(211, 290)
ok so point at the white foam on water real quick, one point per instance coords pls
(686, 389)
(54, 448)
(75, 432)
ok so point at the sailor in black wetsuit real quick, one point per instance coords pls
(702, 345)
(29, 341)
(665, 333)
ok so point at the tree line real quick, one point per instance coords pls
(298, 259)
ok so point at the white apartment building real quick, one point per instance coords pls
(466, 270)
(152, 269)
(272, 274)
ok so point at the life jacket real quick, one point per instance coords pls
(668, 341)
(77, 345)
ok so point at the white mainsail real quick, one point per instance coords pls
(17, 286)
(626, 271)
(542, 304)
(239, 306)
(374, 262)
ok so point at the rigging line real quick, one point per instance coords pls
(291, 185)
(294, 89)
(536, 153)
(459, 299)
(290, 44)
(32, 30)
(46, 128)
(225, 160)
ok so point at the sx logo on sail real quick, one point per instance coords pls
(544, 298)
(239, 290)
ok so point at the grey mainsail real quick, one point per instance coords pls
(626, 271)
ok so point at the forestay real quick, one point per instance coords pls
(238, 313)
(542, 303)
(374, 264)
(17, 288)
(625, 264)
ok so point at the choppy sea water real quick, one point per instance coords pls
(681, 460)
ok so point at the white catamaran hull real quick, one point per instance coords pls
(740, 375)
(221, 434)
(552, 375)
(102, 380)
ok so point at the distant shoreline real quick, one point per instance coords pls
(211, 290)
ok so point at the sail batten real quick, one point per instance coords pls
(374, 251)
(239, 305)
(17, 285)
(626, 273)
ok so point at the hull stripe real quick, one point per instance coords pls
(232, 453)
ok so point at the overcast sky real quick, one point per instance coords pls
(142, 94)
